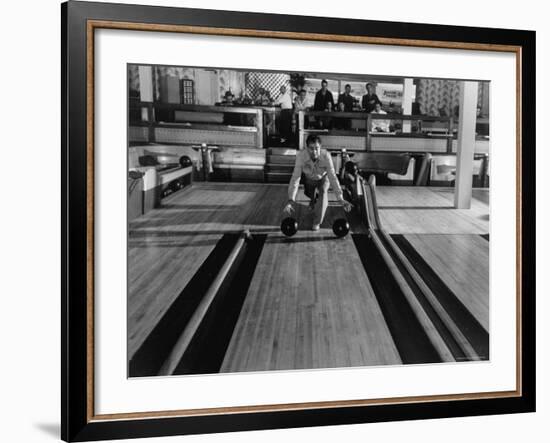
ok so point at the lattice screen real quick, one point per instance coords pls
(272, 82)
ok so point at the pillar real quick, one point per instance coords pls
(466, 144)
(407, 102)
(145, 83)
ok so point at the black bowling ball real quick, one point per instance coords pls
(185, 161)
(340, 227)
(289, 226)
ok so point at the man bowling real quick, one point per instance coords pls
(315, 164)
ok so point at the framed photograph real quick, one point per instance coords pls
(275, 221)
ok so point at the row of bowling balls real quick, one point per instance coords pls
(176, 185)
(289, 227)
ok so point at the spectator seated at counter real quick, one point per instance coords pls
(345, 104)
(229, 118)
(264, 98)
(379, 125)
(228, 99)
(234, 118)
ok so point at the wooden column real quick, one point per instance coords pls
(301, 121)
(407, 102)
(145, 83)
(368, 141)
(466, 144)
(259, 128)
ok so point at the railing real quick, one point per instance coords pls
(453, 336)
(164, 115)
(360, 124)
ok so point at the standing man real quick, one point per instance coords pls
(323, 97)
(370, 99)
(285, 117)
(345, 104)
(346, 99)
(315, 164)
(323, 102)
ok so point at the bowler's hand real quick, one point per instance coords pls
(289, 208)
(346, 205)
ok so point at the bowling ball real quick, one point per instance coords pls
(340, 227)
(289, 226)
(185, 161)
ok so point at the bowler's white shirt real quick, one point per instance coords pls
(313, 170)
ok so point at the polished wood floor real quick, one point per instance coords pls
(462, 262)
(426, 210)
(167, 245)
(310, 303)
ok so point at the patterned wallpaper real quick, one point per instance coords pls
(441, 97)
(437, 97)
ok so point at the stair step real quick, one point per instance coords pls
(282, 151)
(281, 159)
(279, 168)
(277, 177)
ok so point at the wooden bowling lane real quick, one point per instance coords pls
(266, 215)
(167, 246)
(309, 305)
(427, 210)
(462, 263)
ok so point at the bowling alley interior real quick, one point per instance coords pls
(227, 270)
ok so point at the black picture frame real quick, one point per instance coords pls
(78, 422)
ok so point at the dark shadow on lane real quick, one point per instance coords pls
(150, 356)
(440, 326)
(469, 326)
(208, 347)
(412, 342)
